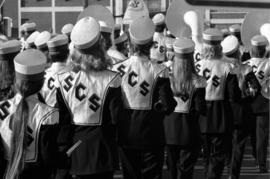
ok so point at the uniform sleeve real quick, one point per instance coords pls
(166, 101)
(114, 100)
(253, 82)
(232, 90)
(199, 101)
(2, 159)
(65, 128)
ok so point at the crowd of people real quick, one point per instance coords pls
(82, 104)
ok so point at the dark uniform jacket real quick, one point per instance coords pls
(182, 126)
(147, 97)
(92, 103)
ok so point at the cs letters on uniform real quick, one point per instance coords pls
(50, 83)
(4, 110)
(132, 82)
(80, 95)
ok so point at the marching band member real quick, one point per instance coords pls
(236, 31)
(66, 30)
(147, 98)
(30, 41)
(261, 68)
(58, 53)
(8, 50)
(221, 90)
(91, 97)
(182, 128)
(29, 127)
(122, 45)
(26, 30)
(249, 85)
(158, 52)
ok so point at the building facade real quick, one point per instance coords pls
(51, 15)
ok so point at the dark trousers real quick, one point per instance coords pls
(181, 161)
(240, 137)
(262, 135)
(216, 149)
(142, 164)
(104, 175)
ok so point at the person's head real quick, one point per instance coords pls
(31, 40)
(106, 32)
(27, 29)
(236, 31)
(230, 47)
(88, 53)
(159, 21)
(8, 50)
(258, 46)
(58, 48)
(66, 30)
(211, 44)
(141, 33)
(29, 69)
(183, 66)
(41, 42)
(122, 44)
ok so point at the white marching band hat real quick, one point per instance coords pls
(30, 64)
(183, 46)
(66, 29)
(42, 39)
(141, 30)
(229, 45)
(159, 19)
(11, 46)
(31, 39)
(28, 26)
(85, 33)
(259, 40)
(212, 35)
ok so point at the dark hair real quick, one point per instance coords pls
(123, 47)
(59, 55)
(7, 75)
(160, 28)
(258, 51)
(107, 38)
(19, 126)
(141, 49)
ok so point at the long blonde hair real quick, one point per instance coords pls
(19, 128)
(183, 71)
